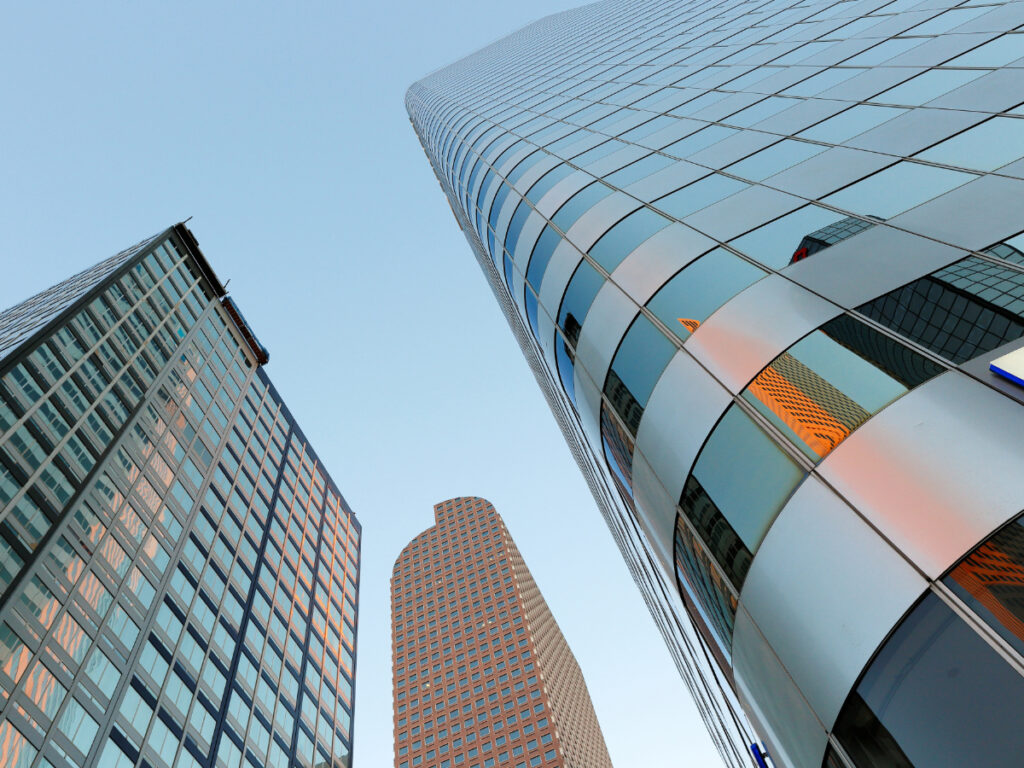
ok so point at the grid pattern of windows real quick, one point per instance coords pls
(482, 674)
(768, 211)
(180, 573)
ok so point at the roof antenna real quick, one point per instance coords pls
(186, 221)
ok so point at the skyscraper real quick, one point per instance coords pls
(765, 261)
(178, 572)
(482, 673)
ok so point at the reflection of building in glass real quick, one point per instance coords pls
(959, 311)
(482, 673)
(829, 235)
(785, 448)
(178, 572)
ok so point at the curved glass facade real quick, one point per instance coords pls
(759, 256)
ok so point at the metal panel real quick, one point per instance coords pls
(825, 590)
(796, 738)
(746, 334)
(655, 260)
(684, 406)
(937, 471)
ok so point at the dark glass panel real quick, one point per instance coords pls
(935, 695)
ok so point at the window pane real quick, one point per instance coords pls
(698, 195)
(579, 204)
(959, 311)
(774, 159)
(832, 381)
(746, 475)
(780, 242)
(619, 241)
(985, 147)
(934, 669)
(897, 189)
(991, 581)
(850, 123)
(701, 287)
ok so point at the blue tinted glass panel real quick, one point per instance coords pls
(775, 244)
(985, 147)
(746, 475)
(698, 195)
(640, 359)
(579, 204)
(496, 203)
(695, 142)
(689, 298)
(897, 189)
(515, 226)
(579, 295)
(547, 181)
(618, 242)
(546, 244)
(639, 170)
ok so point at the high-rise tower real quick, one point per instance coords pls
(178, 572)
(482, 673)
(765, 259)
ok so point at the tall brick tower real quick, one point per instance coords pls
(482, 674)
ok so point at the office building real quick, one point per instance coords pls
(482, 674)
(765, 261)
(178, 572)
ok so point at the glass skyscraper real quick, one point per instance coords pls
(178, 572)
(765, 259)
(483, 676)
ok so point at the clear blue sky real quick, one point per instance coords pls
(281, 129)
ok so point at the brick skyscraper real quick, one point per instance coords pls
(482, 673)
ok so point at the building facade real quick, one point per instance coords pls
(178, 572)
(482, 674)
(765, 259)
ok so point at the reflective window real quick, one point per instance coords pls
(699, 195)
(850, 123)
(546, 244)
(635, 369)
(579, 295)
(740, 481)
(797, 235)
(695, 142)
(624, 237)
(934, 669)
(991, 581)
(599, 152)
(960, 311)
(579, 204)
(761, 111)
(745, 475)
(830, 382)
(987, 146)
(544, 184)
(774, 159)
(515, 225)
(822, 81)
(641, 169)
(897, 189)
(997, 53)
(928, 86)
(701, 287)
